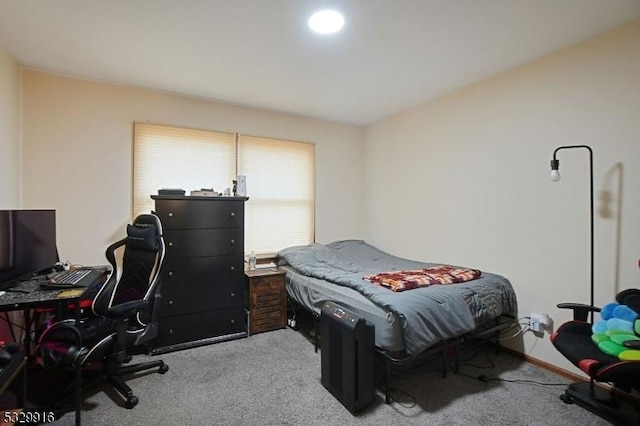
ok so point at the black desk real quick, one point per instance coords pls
(28, 295)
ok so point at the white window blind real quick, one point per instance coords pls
(280, 178)
(280, 184)
(171, 157)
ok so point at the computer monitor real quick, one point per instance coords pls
(27, 243)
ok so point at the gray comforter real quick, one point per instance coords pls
(428, 314)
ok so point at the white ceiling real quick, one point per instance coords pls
(391, 54)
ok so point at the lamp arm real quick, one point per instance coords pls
(556, 162)
(587, 147)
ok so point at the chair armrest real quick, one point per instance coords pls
(580, 310)
(127, 309)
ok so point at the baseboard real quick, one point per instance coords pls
(545, 365)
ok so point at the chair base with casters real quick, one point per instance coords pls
(115, 365)
(113, 373)
(90, 369)
(602, 403)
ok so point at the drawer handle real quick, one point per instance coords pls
(233, 214)
(170, 243)
(233, 241)
(171, 331)
(233, 295)
(170, 273)
(233, 321)
(170, 214)
(170, 302)
(233, 268)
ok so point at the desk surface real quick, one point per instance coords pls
(29, 294)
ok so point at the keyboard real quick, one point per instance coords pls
(73, 278)
(68, 278)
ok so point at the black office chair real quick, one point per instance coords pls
(123, 316)
(574, 340)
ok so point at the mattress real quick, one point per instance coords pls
(312, 293)
(412, 320)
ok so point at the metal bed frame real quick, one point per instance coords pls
(400, 364)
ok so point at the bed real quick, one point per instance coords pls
(409, 322)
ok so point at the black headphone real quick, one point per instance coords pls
(61, 345)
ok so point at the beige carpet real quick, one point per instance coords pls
(273, 378)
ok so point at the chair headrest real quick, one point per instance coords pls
(142, 237)
(631, 298)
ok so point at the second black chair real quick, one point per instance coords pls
(573, 339)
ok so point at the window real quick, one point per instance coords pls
(280, 178)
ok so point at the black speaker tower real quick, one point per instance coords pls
(348, 357)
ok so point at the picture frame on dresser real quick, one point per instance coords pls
(202, 295)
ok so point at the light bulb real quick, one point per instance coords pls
(326, 21)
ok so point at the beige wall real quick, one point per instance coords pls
(464, 179)
(77, 156)
(9, 132)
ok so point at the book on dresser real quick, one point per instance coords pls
(202, 295)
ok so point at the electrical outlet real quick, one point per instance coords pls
(538, 322)
(534, 325)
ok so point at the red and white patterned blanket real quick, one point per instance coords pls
(415, 278)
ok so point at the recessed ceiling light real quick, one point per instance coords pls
(326, 21)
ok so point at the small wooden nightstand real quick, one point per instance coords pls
(266, 301)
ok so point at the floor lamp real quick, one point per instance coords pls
(555, 176)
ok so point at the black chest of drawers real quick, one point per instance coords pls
(202, 294)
